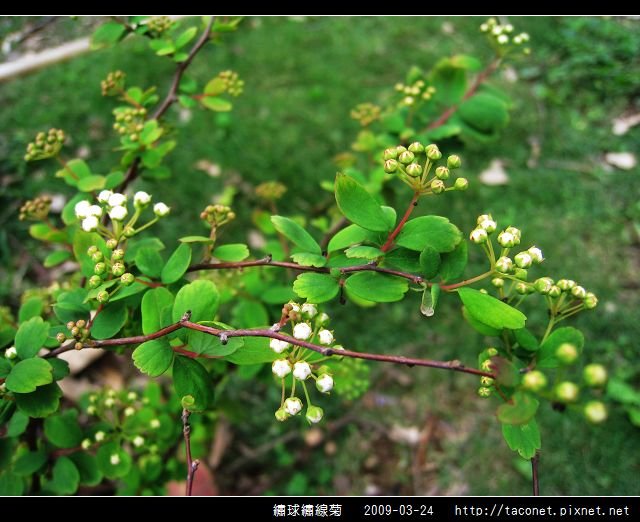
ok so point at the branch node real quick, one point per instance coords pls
(268, 258)
(224, 338)
(186, 316)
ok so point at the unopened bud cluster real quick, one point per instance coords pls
(35, 209)
(113, 84)
(417, 166)
(129, 121)
(503, 37)
(46, 145)
(271, 190)
(159, 24)
(232, 82)
(366, 113)
(78, 332)
(217, 215)
(414, 93)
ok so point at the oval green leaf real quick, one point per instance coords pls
(316, 288)
(27, 375)
(177, 264)
(153, 357)
(491, 311)
(379, 288)
(201, 297)
(296, 234)
(31, 336)
(433, 231)
(358, 205)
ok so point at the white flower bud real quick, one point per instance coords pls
(99, 436)
(91, 410)
(295, 307)
(478, 236)
(508, 28)
(118, 213)
(141, 199)
(86, 444)
(324, 383)
(3, 387)
(523, 260)
(595, 412)
(114, 459)
(278, 346)
(117, 200)
(104, 196)
(314, 414)
(281, 368)
(590, 301)
(11, 353)
(323, 318)
(515, 232)
(94, 210)
(160, 209)
(132, 396)
(488, 224)
(325, 337)
(155, 424)
(503, 39)
(578, 292)
(301, 370)
(138, 441)
(536, 255)
(506, 239)
(82, 209)
(90, 223)
(109, 402)
(128, 411)
(302, 331)
(310, 310)
(293, 405)
(504, 265)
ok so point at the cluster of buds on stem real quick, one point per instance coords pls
(159, 24)
(417, 166)
(35, 209)
(113, 84)
(366, 113)
(271, 190)
(78, 331)
(129, 121)
(217, 215)
(412, 95)
(231, 83)
(503, 39)
(46, 145)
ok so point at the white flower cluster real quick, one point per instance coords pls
(503, 34)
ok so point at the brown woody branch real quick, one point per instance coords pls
(192, 465)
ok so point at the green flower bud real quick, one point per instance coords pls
(127, 278)
(523, 260)
(129, 231)
(486, 381)
(99, 268)
(103, 297)
(578, 292)
(491, 351)
(595, 375)
(406, 157)
(97, 257)
(414, 170)
(567, 391)
(486, 366)
(506, 239)
(520, 273)
(117, 255)
(590, 301)
(92, 250)
(461, 184)
(390, 166)
(522, 288)
(442, 173)
(416, 147)
(565, 284)
(543, 285)
(400, 149)
(95, 281)
(498, 282)
(117, 269)
(484, 392)
(504, 265)
(595, 412)
(390, 154)
(314, 414)
(567, 353)
(282, 415)
(433, 152)
(555, 291)
(111, 244)
(78, 346)
(515, 232)
(454, 162)
(75, 331)
(534, 381)
(60, 337)
(478, 236)
(437, 186)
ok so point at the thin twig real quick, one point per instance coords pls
(534, 474)
(389, 242)
(192, 465)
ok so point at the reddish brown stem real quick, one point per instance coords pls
(389, 242)
(534, 474)
(192, 465)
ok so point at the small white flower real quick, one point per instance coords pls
(89, 224)
(132, 396)
(504, 265)
(11, 353)
(160, 209)
(301, 370)
(155, 424)
(114, 459)
(295, 307)
(508, 28)
(488, 224)
(325, 337)
(523, 260)
(86, 444)
(293, 405)
(524, 37)
(478, 236)
(503, 39)
(141, 199)
(104, 196)
(497, 30)
(94, 210)
(281, 368)
(109, 402)
(484, 28)
(506, 239)
(324, 383)
(515, 232)
(91, 410)
(99, 436)
(82, 209)
(310, 310)
(302, 331)
(117, 200)
(517, 40)
(595, 412)
(536, 255)
(129, 411)
(278, 346)
(138, 441)
(118, 213)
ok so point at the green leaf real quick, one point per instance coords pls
(403, 259)
(376, 287)
(5, 368)
(57, 257)
(155, 302)
(29, 463)
(107, 35)
(250, 314)
(216, 104)
(91, 183)
(520, 410)
(191, 379)
(153, 357)
(196, 239)
(63, 429)
(210, 345)
(433, 231)
(201, 297)
(546, 357)
(233, 252)
(17, 425)
(215, 86)
(42, 402)
(351, 235)
(186, 37)
(363, 252)
(307, 259)
(151, 132)
(110, 321)
(484, 112)
(464, 61)
(87, 465)
(526, 340)
(523, 438)
(449, 80)
(316, 288)
(11, 485)
(358, 205)
(104, 457)
(491, 311)
(620, 391)
(255, 351)
(454, 263)
(149, 262)
(44, 232)
(479, 326)
(27, 375)
(278, 294)
(135, 245)
(113, 179)
(177, 264)
(296, 234)
(60, 368)
(30, 309)
(73, 171)
(429, 262)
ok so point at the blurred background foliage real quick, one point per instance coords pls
(415, 431)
